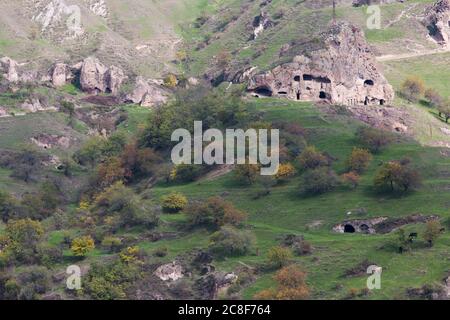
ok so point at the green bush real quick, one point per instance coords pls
(229, 241)
(174, 202)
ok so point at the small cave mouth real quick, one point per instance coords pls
(364, 228)
(298, 95)
(348, 228)
(366, 101)
(323, 80)
(307, 77)
(263, 91)
(297, 78)
(282, 92)
(369, 83)
(382, 102)
(322, 95)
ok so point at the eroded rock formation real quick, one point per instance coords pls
(343, 71)
(148, 93)
(437, 21)
(96, 78)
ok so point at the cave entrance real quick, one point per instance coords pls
(322, 95)
(297, 78)
(382, 102)
(348, 228)
(263, 91)
(307, 77)
(298, 95)
(368, 83)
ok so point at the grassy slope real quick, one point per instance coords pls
(284, 211)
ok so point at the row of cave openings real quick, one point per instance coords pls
(265, 91)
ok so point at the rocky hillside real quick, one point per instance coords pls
(118, 33)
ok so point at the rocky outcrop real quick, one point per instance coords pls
(48, 141)
(437, 21)
(98, 7)
(57, 14)
(60, 74)
(96, 78)
(36, 104)
(380, 225)
(12, 71)
(148, 93)
(260, 23)
(9, 69)
(170, 272)
(342, 71)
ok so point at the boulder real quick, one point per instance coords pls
(148, 93)
(342, 70)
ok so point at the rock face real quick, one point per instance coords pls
(148, 93)
(343, 71)
(96, 78)
(437, 21)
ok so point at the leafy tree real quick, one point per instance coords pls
(23, 237)
(401, 241)
(174, 202)
(433, 97)
(279, 256)
(229, 241)
(171, 81)
(413, 88)
(291, 285)
(394, 175)
(359, 160)
(214, 212)
(82, 246)
(90, 152)
(351, 179)
(432, 231)
(311, 158)
(120, 204)
(375, 140)
(112, 280)
(69, 108)
(110, 172)
(247, 173)
(9, 207)
(318, 181)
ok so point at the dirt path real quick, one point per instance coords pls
(391, 57)
(400, 16)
